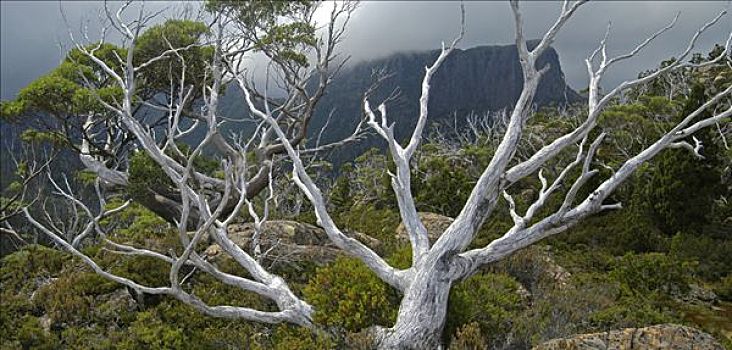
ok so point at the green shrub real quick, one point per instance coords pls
(379, 223)
(489, 300)
(347, 294)
(72, 298)
(292, 337)
(139, 225)
(616, 233)
(713, 256)
(147, 271)
(559, 311)
(28, 263)
(630, 312)
(528, 266)
(401, 258)
(468, 337)
(146, 176)
(201, 331)
(681, 189)
(32, 336)
(723, 288)
(441, 184)
(149, 332)
(647, 275)
(93, 338)
(21, 274)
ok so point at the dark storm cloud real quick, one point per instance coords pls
(31, 31)
(35, 35)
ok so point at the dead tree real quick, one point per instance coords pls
(426, 284)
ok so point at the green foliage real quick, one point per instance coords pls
(616, 232)
(377, 223)
(681, 190)
(213, 292)
(201, 163)
(64, 91)
(173, 34)
(629, 313)
(73, 296)
(92, 337)
(343, 304)
(145, 270)
(289, 337)
(78, 64)
(444, 186)
(137, 224)
(86, 177)
(469, 336)
(51, 92)
(724, 288)
(19, 274)
(145, 176)
(284, 41)
(442, 183)
(148, 331)
(260, 13)
(340, 195)
(711, 256)
(31, 262)
(369, 181)
(488, 300)
(561, 310)
(9, 110)
(32, 336)
(401, 258)
(532, 267)
(39, 137)
(647, 275)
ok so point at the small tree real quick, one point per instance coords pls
(425, 285)
(173, 63)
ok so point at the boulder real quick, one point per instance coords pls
(288, 241)
(435, 224)
(664, 336)
(534, 266)
(699, 295)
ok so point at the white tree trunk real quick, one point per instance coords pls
(423, 310)
(426, 284)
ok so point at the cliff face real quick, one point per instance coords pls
(476, 80)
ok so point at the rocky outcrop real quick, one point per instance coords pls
(435, 224)
(699, 295)
(665, 336)
(533, 267)
(288, 241)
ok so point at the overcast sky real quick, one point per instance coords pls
(32, 31)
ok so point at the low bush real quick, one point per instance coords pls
(346, 294)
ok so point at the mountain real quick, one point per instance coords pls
(475, 80)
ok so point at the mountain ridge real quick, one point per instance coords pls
(475, 80)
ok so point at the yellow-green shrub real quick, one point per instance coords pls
(347, 294)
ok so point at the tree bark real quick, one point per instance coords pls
(422, 312)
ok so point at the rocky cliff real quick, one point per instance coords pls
(475, 80)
